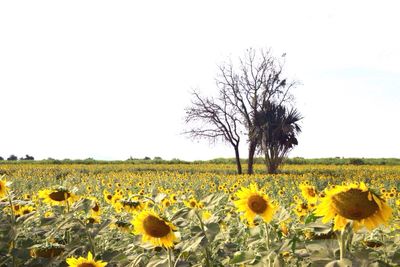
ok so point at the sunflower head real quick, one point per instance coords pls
(154, 229)
(57, 197)
(254, 202)
(46, 251)
(24, 210)
(85, 262)
(3, 188)
(354, 202)
(309, 193)
(122, 226)
(192, 203)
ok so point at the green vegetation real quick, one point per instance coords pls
(158, 160)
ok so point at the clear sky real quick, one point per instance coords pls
(111, 79)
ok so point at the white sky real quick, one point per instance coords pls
(111, 79)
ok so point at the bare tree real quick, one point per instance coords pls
(216, 120)
(256, 80)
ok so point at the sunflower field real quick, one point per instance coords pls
(198, 215)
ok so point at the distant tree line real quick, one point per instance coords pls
(12, 157)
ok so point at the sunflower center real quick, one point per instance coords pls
(96, 208)
(86, 264)
(257, 204)
(155, 227)
(26, 212)
(59, 195)
(311, 192)
(354, 204)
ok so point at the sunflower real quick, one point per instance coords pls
(154, 229)
(191, 203)
(3, 188)
(49, 250)
(309, 193)
(166, 202)
(128, 205)
(121, 225)
(254, 202)
(24, 210)
(205, 215)
(82, 262)
(353, 203)
(57, 197)
(107, 196)
(301, 209)
(95, 208)
(93, 219)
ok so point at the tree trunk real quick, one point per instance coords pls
(272, 168)
(272, 162)
(252, 151)
(238, 164)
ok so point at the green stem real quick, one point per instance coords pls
(208, 257)
(267, 235)
(342, 244)
(91, 243)
(170, 263)
(14, 226)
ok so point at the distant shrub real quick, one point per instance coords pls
(356, 161)
(12, 157)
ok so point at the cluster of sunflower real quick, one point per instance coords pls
(353, 202)
(142, 203)
(20, 207)
(153, 228)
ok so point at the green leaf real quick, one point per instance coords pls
(193, 244)
(242, 257)
(340, 263)
(158, 263)
(396, 257)
(310, 218)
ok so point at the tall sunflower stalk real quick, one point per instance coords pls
(208, 256)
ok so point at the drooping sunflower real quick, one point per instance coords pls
(254, 202)
(154, 229)
(48, 250)
(128, 205)
(82, 262)
(121, 225)
(354, 202)
(57, 197)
